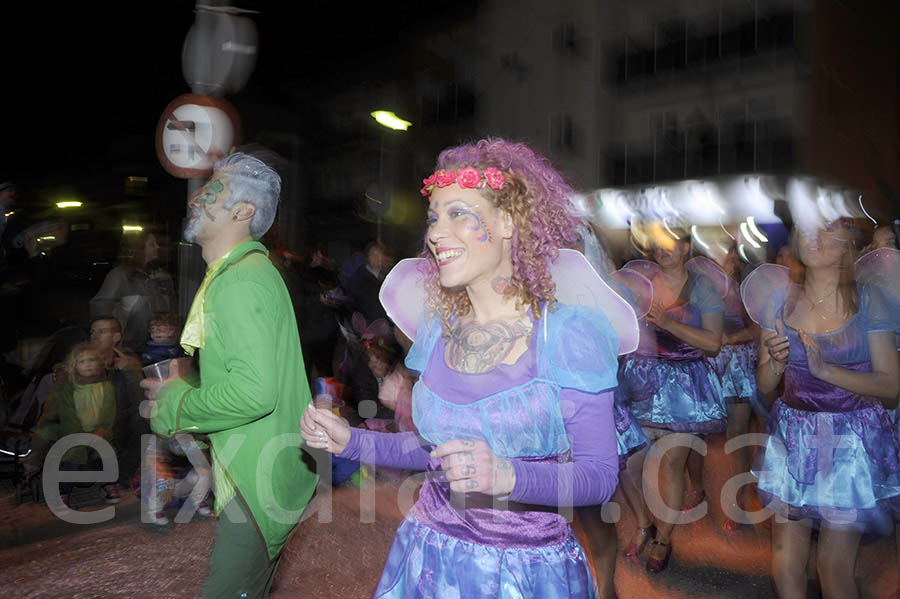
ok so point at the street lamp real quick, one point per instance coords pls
(68, 204)
(390, 120)
(377, 197)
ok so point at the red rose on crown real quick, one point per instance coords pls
(445, 178)
(468, 177)
(428, 184)
(494, 178)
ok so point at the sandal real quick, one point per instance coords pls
(656, 565)
(634, 552)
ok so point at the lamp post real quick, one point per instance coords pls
(377, 195)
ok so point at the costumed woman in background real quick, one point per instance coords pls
(600, 533)
(514, 402)
(671, 388)
(735, 365)
(832, 340)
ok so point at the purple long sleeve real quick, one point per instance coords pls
(592, 475)
(391, 450)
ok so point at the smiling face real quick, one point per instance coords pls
(208, 214)
(467, 236)
(823, 248)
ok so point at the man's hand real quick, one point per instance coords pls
(151, 387)
(124, 361)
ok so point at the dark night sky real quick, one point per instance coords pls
(79, 76)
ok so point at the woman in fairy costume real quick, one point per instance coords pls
(831, 457)
(671, 389)
(514, 402)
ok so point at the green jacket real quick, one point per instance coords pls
(60, 418)
(252, 392)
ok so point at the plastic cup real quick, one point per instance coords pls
(166, 368)
(157, 370)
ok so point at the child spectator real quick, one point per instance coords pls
(162, 343)
(82, 401)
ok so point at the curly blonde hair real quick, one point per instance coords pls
(537, 198)
(72, 358)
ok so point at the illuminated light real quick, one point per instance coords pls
(742, 254)
(8, 214)
(132, 179)
(751, 222)
(727, 232)
(132, 228)
(390, 120)
(869, 216)
(745, 233)
(672, 233)
(713, 203)
(696, 237)
(47, 238)
(68, 204)
(14, 454)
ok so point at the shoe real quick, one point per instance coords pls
(157, 518)
(695, 498)
(203, 510)
(634, 552)
(654, 565)
(111, 494)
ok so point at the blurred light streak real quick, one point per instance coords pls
(727, 232)
(8, 214)
(745, 233)
(131, 228)
(390, 120)
(869, 216)
(742, 254)
(752, 225)
(696, 237)
(68, 204)
(671, 232)
(47, 238)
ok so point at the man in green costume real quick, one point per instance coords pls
(253, 387)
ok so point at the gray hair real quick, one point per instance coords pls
(253, 181)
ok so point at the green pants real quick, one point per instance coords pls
(239, 567)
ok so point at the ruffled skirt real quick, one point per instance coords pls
(630, 438)
(735, 366)
(855, 482)
(678, 395)
(426, 564)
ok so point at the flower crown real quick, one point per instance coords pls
(465, 177)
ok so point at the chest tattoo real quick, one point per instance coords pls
(475, 348)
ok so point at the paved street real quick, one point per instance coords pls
(44, 557)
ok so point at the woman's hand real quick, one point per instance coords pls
(779, 346)
(323, 429)
(471, 466)
(659, 316)
(814, 361)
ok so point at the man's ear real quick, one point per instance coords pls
(243, 211)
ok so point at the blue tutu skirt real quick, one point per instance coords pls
(426, 564)
(679, 395)
(857, 484)
(630, 438)
(735, 366)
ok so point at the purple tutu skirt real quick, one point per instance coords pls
(735, 365)
(839, 467)
(424, 563)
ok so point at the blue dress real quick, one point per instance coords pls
(512, 552)
(668, 383)
(735, 364)
(855, 480)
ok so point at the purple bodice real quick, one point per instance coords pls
(803, 391)
(510, 525)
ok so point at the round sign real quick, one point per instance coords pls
(219, 52)
(193, 131)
